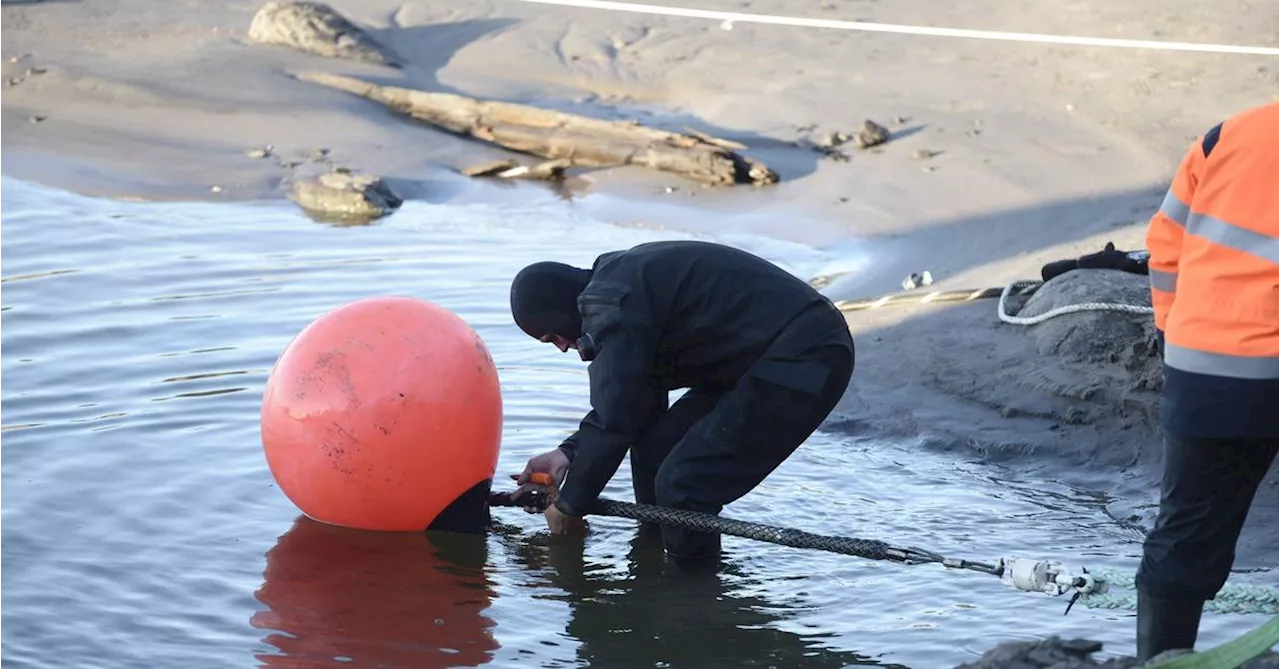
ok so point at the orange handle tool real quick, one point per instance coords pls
(541, 478)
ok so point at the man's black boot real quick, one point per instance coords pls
(692, 551)
(1166, 624)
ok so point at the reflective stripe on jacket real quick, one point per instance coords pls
(1214, 262)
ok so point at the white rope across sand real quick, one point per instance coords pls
(729, 18)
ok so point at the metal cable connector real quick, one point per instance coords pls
(1050, 577)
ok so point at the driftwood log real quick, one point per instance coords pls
(580, 140)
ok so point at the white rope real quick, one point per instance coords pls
(729, 18)
(1060, 311)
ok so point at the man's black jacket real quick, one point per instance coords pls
(669, 315)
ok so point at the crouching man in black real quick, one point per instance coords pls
(764, 356)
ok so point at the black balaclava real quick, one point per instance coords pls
(544, 299)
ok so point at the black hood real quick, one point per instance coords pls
(544, 299)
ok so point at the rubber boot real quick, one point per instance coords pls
(692, 551)
(1166, 624)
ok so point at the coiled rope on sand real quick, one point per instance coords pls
(1022, 288)
(1028, 287)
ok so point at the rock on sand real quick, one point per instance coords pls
(314, 27)
(343, 196)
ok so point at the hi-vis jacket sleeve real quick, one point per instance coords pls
(622, 397)
(1165, 231)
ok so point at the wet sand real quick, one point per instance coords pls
(1035, 153)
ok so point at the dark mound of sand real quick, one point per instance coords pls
(1057, 653)
(1097, 336)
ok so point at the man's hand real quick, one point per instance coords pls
(553, 463)
(560, 523)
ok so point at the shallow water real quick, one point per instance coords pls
(142, 527)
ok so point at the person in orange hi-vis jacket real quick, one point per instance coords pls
(1213, 270)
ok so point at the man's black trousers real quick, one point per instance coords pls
(1207, 490)
(709, 449)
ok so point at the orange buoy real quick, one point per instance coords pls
(380, 413)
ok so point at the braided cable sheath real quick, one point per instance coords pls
(1119, 592)
(705, 522)
(697, 521)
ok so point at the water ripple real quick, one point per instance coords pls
(142, 527)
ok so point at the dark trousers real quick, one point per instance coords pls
(710, 449)
(1207, 489)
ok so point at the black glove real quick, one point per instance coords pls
(1134, 262)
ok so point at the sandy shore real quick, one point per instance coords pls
(1037, 153)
